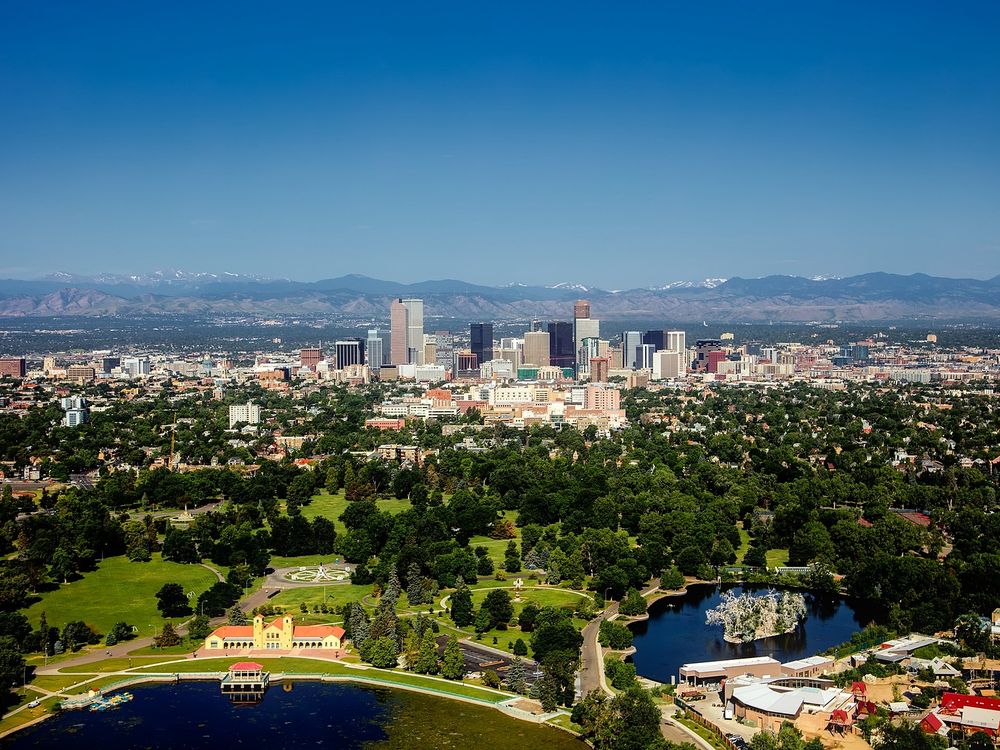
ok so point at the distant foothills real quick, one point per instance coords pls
(873, 296)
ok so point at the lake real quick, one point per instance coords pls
(676, 633)
(195, 715)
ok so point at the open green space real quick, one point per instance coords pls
(776, 558)
(119, 590)
(116, 663)
(335, 596)
(332, 506)
(300, 665)
(497, 547)
(744, 545)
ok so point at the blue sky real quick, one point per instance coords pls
(617, 144)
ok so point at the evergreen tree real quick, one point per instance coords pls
(461, 606)
(511, 558)
(392, 590)
(414, 585)
(359, 625)
(514, 680)
(236, 616)
(453, 664)
(555, 566)
(427, 659)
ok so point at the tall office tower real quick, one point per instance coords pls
(350, 352)
(581, 309)
(445, 349)
(644, 360)
(430, 349)
(631, 343)
(536, 325)
(481, 336)
(397, 335)
(310, 357)
(110, 363)
(656, 338)
(561, 351)
(586, 328)
(537, 348)
(414, 330)
(373, 349)
(676, 341)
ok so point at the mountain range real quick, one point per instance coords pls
(872, 296)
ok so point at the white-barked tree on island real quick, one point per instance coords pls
(748, 617)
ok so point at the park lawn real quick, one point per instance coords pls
(119, 590)
(55, 682)
(547, 597)
(497, 547)
(335, 595)
(744, 546)
(29, 714)
(186, 646)
(332, 507)
(117, 664)
(564, 722)
(776, 558)
(300, 665)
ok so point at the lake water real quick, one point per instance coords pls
(676, 632)
(195, 715)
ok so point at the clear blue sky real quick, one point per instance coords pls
(610, 143)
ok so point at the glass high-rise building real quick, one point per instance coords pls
(481, 335)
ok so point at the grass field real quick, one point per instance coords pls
(332, 506)
(777, 557)
(336, 596)
(497, 547)
(744, 546)
(119, 590)
(318, 666)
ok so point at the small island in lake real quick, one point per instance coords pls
(747, 617)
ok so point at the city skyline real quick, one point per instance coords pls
(827, 138)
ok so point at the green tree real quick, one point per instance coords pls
(461, 606)
(515, 679)
(520, 647)
(427, 660)
(453, 664)
(167, 637)
(381, 652)
(172, 601)
(633, 604)
(198, 628)
(236, 616)
(500, 608)
(511, 558)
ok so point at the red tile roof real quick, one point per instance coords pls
(953, 702)
(931, 723)
(246, 666)
(318, 631)
(234, 631)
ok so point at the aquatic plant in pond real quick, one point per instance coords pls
(746, 617)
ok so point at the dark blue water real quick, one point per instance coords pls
(194, 715)
(676, 632)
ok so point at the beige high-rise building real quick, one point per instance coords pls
(397, 336)
(430, 348)
(536, 348)
(581, 309)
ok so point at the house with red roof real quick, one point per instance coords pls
(967, 714)
(280, 634)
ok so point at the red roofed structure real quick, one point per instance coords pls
(280, 634)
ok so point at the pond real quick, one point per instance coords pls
(676, 633)
(195, 715)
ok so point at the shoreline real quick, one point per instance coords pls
(146, 678)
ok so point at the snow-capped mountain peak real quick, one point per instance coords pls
(711, 283)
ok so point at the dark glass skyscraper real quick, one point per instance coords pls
(481, 345)
(561, 353)
(656, 338)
